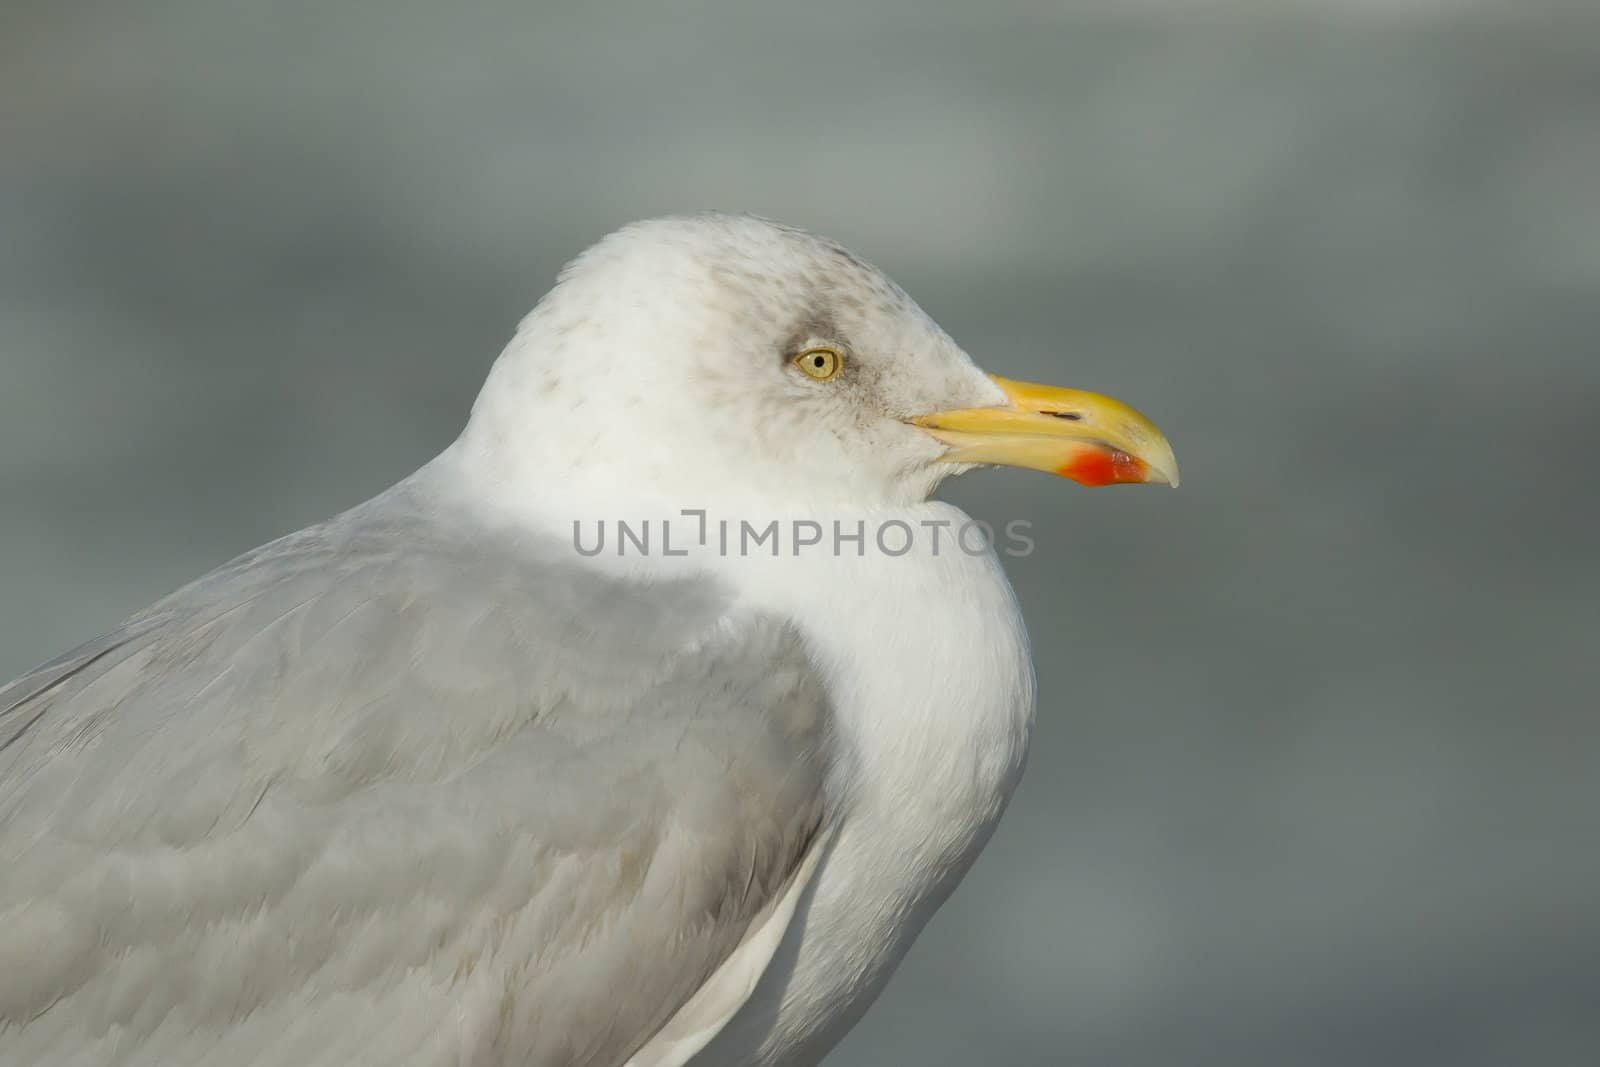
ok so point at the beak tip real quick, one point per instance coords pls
(1166, 465)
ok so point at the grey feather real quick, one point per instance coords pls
(400, 759)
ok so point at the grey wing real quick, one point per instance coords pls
(392, 791)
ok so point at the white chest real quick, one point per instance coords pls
(929, 666)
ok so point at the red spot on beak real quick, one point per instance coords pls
(1104, 466)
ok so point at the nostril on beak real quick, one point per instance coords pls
(1070, 416)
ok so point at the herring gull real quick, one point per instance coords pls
(535, 758)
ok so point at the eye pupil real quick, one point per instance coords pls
(819, 362)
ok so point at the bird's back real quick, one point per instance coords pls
(391, 790)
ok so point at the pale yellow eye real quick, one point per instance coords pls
(820, 363)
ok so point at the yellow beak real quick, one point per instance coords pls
(1087, 437)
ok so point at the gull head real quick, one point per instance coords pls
(713, 358)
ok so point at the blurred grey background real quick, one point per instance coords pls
(1314, 779)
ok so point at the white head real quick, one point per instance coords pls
(707, 359)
